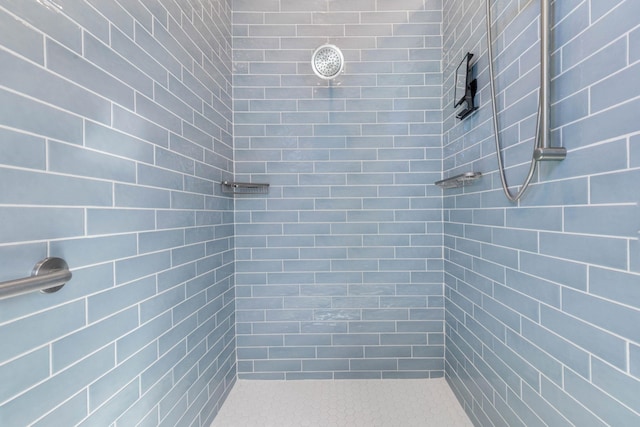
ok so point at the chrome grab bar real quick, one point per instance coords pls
(49, 275)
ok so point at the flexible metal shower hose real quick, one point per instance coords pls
(532, 168)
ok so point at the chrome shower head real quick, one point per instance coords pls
(327, 61)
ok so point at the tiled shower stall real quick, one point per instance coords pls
(120, 118)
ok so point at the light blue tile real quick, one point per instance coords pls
(607, 252)
(403, 339)
(500, 255)
(411, 302)
(174, 339)
(157, 240)
(22, 150)
(621, 221)
(109, 140)
(146, 333)
(323, 327)
(556, 270)
(387, 351)
(16, 224)
(261, 303)
(24, 372)
(571, 409)
(49, 20)
(307, 302)
(332, 365)
(112, 408)
(131, 196)
(71, 160)
(175, 105)
(277, 365)
(34, 188)
(517, 239)
(123, 374)
(85, 74)
(86, 251)
(276, 328)
(597, 401)
(156, 371)
(601, 343)
(538, 289)
(611, 317)
(340, 352)
(576, 359)
(420, 326)
(140, 266)
(371, 326)
(49, 394)
(21, 113)
(419, 364)
(428, 351)
(615, 383)
(154, 48)
(161, 303)
(20, 37)
(173, 161)
(373, 365)
(428, 313)
(109, 221)
(115, 299)
(253, 353)
(73, 347)
(117, 15)
(174, 219)
(495, 318)
(614, 285)
(634, 360)
(307, 339)
(69, 413)
(292, 353)
(53, 90)
(522, 304)
(535, 218)
(608, 124)
(355, 375)
(138, 410)
(177, 275)
(137, 126)
(610, 188)
(634, 152)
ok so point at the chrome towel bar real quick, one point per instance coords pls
(49, 275)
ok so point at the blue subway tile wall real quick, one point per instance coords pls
(115, 131)
(542, 296)
(339, 271)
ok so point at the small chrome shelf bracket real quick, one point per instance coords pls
(459, 180)
(231, 187)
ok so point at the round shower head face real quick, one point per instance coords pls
(327, 61)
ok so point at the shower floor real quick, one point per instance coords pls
(366, 403)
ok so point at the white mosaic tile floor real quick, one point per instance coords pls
(353, 403)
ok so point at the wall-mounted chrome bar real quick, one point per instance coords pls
(545, 151)
(49, 275)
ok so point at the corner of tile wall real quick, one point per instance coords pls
(339, 268)
(542, 296)
(115, 131)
